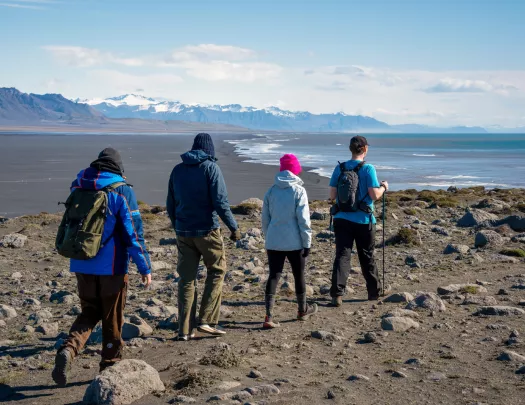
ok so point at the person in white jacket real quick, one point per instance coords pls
(286, 226)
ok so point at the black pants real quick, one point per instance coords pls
(276, 261)
(346, 233)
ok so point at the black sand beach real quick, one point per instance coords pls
(36, 170)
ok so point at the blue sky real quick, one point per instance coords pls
(438, 62)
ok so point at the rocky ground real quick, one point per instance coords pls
(451, 331)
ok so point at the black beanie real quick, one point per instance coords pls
(109, 160)
(205, 143)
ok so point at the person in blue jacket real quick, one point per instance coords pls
(197, 197)
(103, 280)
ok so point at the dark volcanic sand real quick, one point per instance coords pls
(36, 171)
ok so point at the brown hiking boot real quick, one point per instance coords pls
(63, 361)
(336, 301)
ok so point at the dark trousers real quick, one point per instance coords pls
(102, 298)
(346, 233)
(276, 260)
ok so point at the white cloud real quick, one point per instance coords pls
(114, 82)
(26, 6)
(85, 57)
(449, 85)
(210, 52)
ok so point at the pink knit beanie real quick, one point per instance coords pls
(291, 163)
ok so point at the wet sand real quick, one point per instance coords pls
(36, 171)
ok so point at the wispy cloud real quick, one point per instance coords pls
(449, 85)
(25, 6)
(86, 57)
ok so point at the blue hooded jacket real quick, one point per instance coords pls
(122, 230)
(197, 196)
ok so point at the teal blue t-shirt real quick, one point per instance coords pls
(367, 178)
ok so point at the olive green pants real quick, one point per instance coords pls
(211, 249)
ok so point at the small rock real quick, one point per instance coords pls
(124, 383)
(135, 327)
(48, 329)
(370, 337)
(28, 329)
(14, 241)
(476, 217)
(330, 394)
(157, 266)
(511, 356)
(488, 238)
(170, 323)
(182, 399)
(436, 377)
(64, 297)
(264, 390)
(414, 362)
(399, 374)
(255, 374)
(454, 288)
(521, 370)
(7, 312)
(358, 377)
(427, 300)
(32, 303)
(462, 249)
(499, 311)
(399, 297)
(326, 336)
(398, 324)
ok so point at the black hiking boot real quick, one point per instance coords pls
(310, 310)
(63, 360)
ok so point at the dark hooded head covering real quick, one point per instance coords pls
(109, 160)
(205, 143)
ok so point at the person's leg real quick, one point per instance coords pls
(212, 249)
(365, 243)
(81, 329)
(276, 261)
(187, 267)
(298, 264)
(344, 241)
(113, 290)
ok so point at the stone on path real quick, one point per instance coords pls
(511, 356)
(499, 310)
(326, 336)
(156, 266)
(398, 324)
(14, 240)
(476, 218)
(182, 399)
(7, 312)
(452, 248)
(48, 329)
(135, 327)
(124, 383)
(427, 300)
(454, 288)
(399, 297)
(488, 238)
(358, 377)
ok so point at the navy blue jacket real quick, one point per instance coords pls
(197, 196)
(122, 229)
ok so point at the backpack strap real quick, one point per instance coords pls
(359, 166)
(109, 189)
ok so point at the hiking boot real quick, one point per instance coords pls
(336, 301)
(269, 323)
(310, 310)
(63, 360)
(211, 330)
(185, 338)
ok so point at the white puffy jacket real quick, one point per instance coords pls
(286, 215)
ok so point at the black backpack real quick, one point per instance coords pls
(347, 189)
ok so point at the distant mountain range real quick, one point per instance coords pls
(53, 112)
(131, 112)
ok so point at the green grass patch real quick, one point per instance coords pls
(517, 252)
(520, 207)
(469, 289)
(447, 202)
(405, 236)
(410, 211)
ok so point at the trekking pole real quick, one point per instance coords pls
(384, 216)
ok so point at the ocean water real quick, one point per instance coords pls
(420, 161)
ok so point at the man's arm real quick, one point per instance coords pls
(219, 197)
(133, 234)
(171, 205)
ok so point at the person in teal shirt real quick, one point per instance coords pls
(358, 226)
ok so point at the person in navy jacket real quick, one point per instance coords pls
(103, 280)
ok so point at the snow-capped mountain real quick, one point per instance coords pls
(270, 118)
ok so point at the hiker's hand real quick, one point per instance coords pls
(306, 252)
(146, 280)
(236, 235)
(384, 183)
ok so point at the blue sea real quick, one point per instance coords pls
(421, 161)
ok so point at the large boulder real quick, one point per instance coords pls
(124, 383)
(14, 240)
(499, 310)
(516, 222)
(427, 300)
(476, 217)
(488, 238)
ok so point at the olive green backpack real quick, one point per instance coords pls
(80, 232)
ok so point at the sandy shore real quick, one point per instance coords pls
(36, 170)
